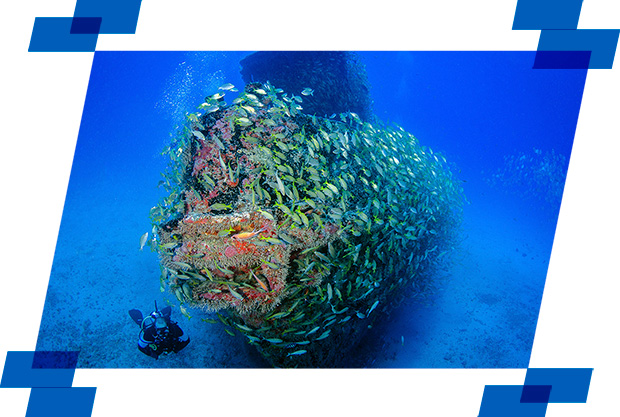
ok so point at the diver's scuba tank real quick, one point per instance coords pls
(156, 335)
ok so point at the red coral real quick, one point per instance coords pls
(230, 251)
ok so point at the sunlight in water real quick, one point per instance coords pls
(193, 78)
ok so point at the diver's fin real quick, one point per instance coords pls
(136, 315)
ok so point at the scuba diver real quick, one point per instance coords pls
(158, 333)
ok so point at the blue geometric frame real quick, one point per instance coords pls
(80, 32)
(542, 386)
(50, 377)
(561, 46)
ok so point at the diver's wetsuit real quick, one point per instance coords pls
(156, 340)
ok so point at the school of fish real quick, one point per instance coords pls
(299, 231)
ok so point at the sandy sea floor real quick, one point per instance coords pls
(483, 314)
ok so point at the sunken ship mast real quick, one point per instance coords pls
(300, 230)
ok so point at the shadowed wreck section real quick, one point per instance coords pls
(338, 79)
(299, 231)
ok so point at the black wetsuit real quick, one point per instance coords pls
(152, 344)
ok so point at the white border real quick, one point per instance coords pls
(43, 96)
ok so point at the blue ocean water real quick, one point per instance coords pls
(506, 128)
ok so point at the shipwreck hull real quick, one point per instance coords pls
(300, 231)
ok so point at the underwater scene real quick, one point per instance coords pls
(311, 209)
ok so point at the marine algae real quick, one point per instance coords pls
(299, 230)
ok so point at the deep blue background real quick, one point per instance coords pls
(474, 107)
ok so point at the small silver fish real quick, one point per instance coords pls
(278, 315)
(266, 214)
(324, 335)
(199, 135)
(218, 142)
(249, 109)
(242, 327)
(226, 87)
(270, 264)
(376, 303)
(181, 265)
(279, 184)
(235, 293)
(219, 207)
(223, 270)
(244, 121)
(313, 330)
(143, 239)
(184, 312)
(307, 92)
(169, 245)
(187, 291)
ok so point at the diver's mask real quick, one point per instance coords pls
(161, 326)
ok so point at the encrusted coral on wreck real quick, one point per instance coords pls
(299, 230)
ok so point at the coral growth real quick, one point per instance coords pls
(301, 228)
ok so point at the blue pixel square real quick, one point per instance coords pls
(562, 60)
(118, 16)
(547, 14)
(570, 385)
(65, 402)
(19, 373)
(55, 359)
(53, 34)
(505, 401)
(602, 43)
(535, 393)
(85, 25)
